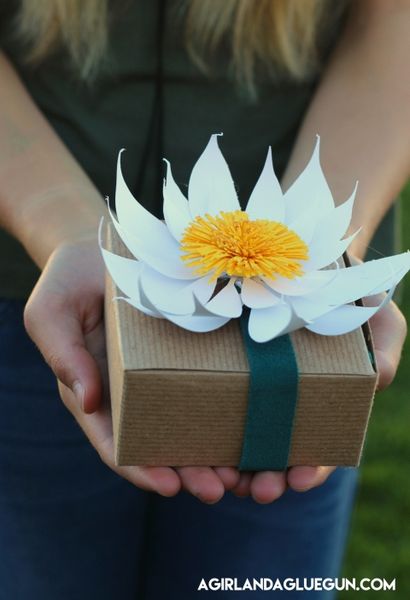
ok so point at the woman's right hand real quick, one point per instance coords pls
(64, 317)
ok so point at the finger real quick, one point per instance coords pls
(268, 486)
(388, 328)
(228, 475)
(57, 331)
(202, 482)
(98, 428)
(243, 487)
(302, 479)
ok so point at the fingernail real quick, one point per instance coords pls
(78, 391)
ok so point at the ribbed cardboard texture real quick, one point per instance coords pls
(180, 398)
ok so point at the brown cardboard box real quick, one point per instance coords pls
(180, 398)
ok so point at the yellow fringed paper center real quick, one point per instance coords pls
(231, 244)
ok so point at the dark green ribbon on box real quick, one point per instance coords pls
(272, 401)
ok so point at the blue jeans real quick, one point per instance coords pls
(70, 529)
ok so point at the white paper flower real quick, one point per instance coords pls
(209, 259)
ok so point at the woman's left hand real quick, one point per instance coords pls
(388, 328)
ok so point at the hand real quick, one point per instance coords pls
(64, 317)
(389, 329)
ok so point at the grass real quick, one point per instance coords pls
(379, 543)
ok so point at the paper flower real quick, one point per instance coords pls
(209, 258)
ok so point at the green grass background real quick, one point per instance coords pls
(379, 542)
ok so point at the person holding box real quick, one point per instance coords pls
(78, 82)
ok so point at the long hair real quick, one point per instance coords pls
(280, 35)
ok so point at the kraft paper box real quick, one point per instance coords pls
(180, 398)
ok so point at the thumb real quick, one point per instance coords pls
(56, 330)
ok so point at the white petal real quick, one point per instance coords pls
(256, 295)
(295, 323)
(266, 200)
(198, 324)
(346, 318)
(393, 279)
(268, 323)
(146, 236)
(227, 302)
(310, 190)
(211, 188)
(310, 282)
(176, 208)
(139, 306)
(333, 225)
(200, 309)
(133, 217)
(171, 295)
(160, 256)
(363, 280)
(308, 310)
(203, 290)
(145, 301)
(322, 256)
(305, 224)
(324, 230)
(125, 272)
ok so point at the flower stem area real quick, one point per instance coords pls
(379, 543)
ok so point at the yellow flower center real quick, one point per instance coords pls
(230, 243)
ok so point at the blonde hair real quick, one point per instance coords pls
(280, 35)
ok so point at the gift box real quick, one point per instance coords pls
(182, 398)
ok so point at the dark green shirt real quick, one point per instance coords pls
(96, 121)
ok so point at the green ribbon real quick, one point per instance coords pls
(272, 400)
